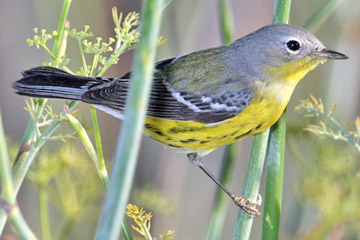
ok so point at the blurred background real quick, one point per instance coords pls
(319, 174)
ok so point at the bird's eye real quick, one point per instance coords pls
(293, 45)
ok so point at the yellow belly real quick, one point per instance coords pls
(265, 109)
(258, 116)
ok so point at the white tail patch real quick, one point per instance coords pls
(112, 112)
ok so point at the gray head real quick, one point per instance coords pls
(276, 44)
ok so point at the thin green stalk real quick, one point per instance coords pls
(44, 211)
(8, 197)
(20, 167)
(61, 26)
(244, 222)
(119, 49)
(320, 16)
(276, 152)
(218, 213)
(83, 60)
(274, 180)
(19, 223)
(252, 183)
(19, 170)
(147, 234)
(94, 64)
(281, 11)
(226, 21)
(100, 155)
(5, 174)
(131, 130)
(126, 230)
(30, 130)
(81, 132)
(53, 56)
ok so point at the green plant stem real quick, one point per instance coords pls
(61, 26)
(276, 152)
(126, 230)
(320, 16)
(29, 132)
(97, 157)
(81, 132)
(119, 49)
(53, 56)
(8, 197)
(100, 156)
(252, 183)
(274, 180)
(131, 130)
(147, 234)
(244, 221)
(221, 200)
(44, 211)
(19, 170)
(226, 22)
(19, 223)
(83, 60)
(281, 11)
(94, 64)
(20, 167)
(8, 194)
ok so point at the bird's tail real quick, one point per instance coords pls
(49, 82)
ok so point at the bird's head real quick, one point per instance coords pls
(283, 51)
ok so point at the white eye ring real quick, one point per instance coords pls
(292, 45)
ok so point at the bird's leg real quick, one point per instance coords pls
(246, 205)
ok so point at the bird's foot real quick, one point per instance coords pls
(248, 205)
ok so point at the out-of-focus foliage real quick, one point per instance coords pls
(152, 199)
(330, 174)
(328, 126)
(71, 182)
(329, 182)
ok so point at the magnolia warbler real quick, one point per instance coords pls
(205, 99)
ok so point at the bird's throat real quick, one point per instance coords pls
(285, 78)
(292, 72)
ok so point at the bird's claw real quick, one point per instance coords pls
(247, 205)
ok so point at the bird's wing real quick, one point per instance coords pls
(169, 103)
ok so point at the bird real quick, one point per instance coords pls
(205, 99)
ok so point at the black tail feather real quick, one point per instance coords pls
(49, 82)
(42, 70)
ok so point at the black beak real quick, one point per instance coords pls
(328, 54)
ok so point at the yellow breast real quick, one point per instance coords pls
(267, 105)
(258, 116)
